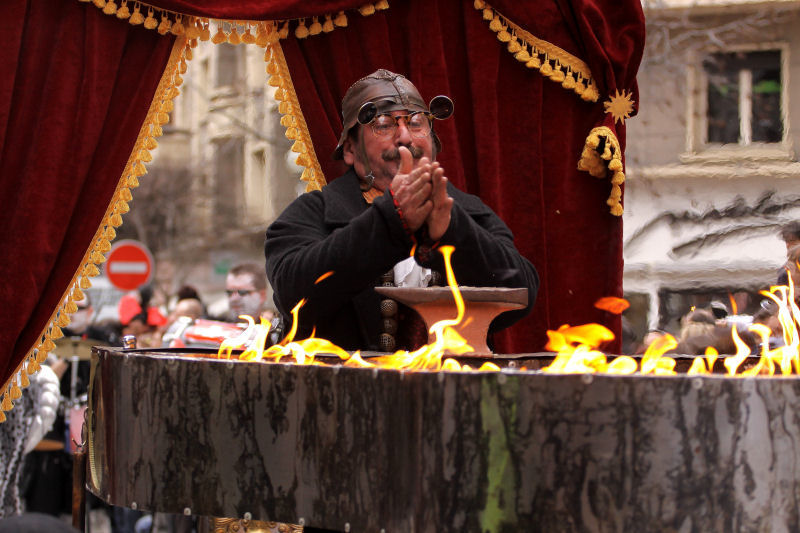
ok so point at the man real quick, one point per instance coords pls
(246, 287)
(394, 201)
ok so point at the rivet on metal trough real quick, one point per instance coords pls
(129, 342)
(134, 506)
(697, 383)
(230, 365)
(587, 379)
(301, 521)
(440, 377)
(187, 511)
(383, 530)
(336, 369)
(502, 378)
(347, 527)
(375, 373)
(247, 516)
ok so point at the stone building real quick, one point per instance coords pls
(712, 170)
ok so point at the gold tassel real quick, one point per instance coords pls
(6, 404)
(97, 257)
(514, 46)
(48, 345)
(123, 12)
(272, 68)
(479, 4)
(125, 194)
(62, 320)
(156, 131)
(247, 37)
(205, 33)
(367, 10)
(56, 332)
(23, 380)
(301, 32)
(284, 32)
(327, 26)
(137, 17)
(382, 5)
(534, 62)
(77, 294)
(298, 147)
(284, 108)
(103, 245)
(139, 170)
(71, 307)
(110, 8)
(144, 155)
(91, 270)
(133, 182)
(192, 30)
(302, 160)
(279, 95)
(615, 165)
(287, 121)
(315, 28)
(340, 20)
(167, 106)
(16, 392)
(33, 367)
(617, 210)
(41, 356)
(122, 207)
(220, 36)
(557, 75)
(233, 36)
(488, 14)
(178, 28)
(523, 56)
(163, 118)
(150, 23)
(262, 37)
(291, 134)
(165, 25)
(85, 283)
(569, 81)
(495, 25)
(546, 69)
(2, 417)
(100, 3)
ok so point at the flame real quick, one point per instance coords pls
(734, 307)
(612, 304)
(326, 275)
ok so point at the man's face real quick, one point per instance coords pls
(243, 297)
(382, 153)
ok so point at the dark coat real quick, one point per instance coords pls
(336, 230)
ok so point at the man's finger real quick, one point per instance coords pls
(406, 161)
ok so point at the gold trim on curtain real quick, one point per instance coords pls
(597, 160)
(157, 116)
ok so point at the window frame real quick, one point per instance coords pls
(698, 149)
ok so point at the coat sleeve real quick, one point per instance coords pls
(485, 255)
(300, 248)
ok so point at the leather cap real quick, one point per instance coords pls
(389, 92)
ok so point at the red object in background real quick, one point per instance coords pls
(129, 265)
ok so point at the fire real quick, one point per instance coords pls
(577, 348)
(428, 357)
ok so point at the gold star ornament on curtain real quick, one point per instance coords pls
(620, 106)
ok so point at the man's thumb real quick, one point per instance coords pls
(406, 161)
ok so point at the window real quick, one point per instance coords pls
(744, 97)
(228, 171)
(227, 64)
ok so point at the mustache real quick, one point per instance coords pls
(393, 154)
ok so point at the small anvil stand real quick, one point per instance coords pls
(482, 305)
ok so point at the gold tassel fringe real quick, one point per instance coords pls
(292, 119)
(101, 242)
(599, 164)
(164, 21)
(550, 60)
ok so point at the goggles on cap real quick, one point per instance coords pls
(418, 123)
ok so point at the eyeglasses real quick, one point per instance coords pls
(240, 292)
(418, 124)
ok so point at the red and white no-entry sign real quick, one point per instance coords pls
(129, 265)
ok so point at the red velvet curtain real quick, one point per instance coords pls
(75, 89)
(77, 84)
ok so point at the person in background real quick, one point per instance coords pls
(141, 319)
(26, 424)
(790, 235)
(246, 287)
